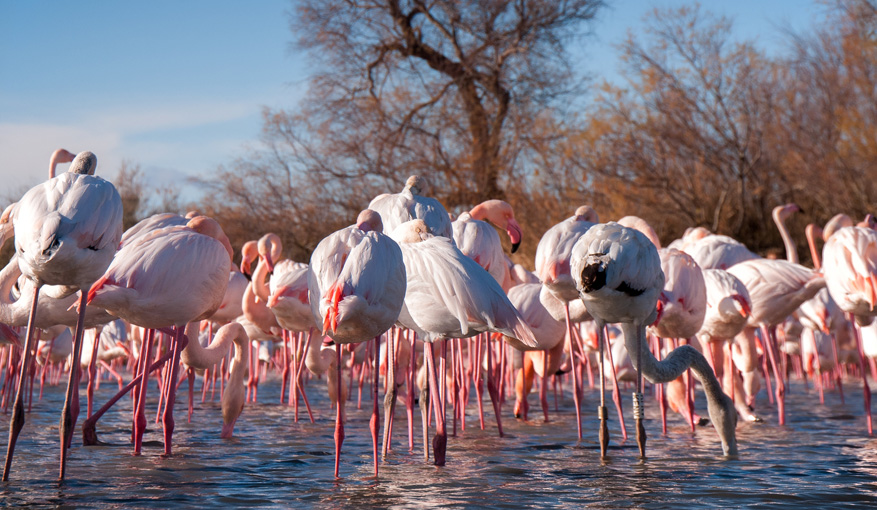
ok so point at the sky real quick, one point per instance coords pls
(178, 86)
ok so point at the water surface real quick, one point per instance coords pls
(822, 456)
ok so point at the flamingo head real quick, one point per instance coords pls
(249, 253)
(369, 221)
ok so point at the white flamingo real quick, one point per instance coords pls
(618, 272)
(67, 230)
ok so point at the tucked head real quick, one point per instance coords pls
(84, 163)
(412, 231)
(369, 221)
(417, 184)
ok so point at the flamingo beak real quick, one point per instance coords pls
(515, 233)
(746, 310)
(659, 306)
(269, 262)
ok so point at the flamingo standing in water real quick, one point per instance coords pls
(850, 265)
(727, 310)
(618, 273)
(552, 268)
(356, 284)
(533, 301)
(196, 356)
(681, 308)
(450, 296)
(66, 233)
(169, 277)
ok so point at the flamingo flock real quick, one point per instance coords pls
(431, 304)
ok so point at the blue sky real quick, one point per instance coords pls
(178, 86)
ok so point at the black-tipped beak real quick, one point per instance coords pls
(515, 247)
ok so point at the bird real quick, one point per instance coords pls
(617, 271)
(196, 356)
(681, 308)
(553, 269)
(168, 278)
(849, 261)
(410, 204)
(776, 289)
(727, 310)
(67, 230)
(356, 287)
(450, 296)
(546, 357)
(718, 252)
(475, 237)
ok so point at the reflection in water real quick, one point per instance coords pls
(822, 456)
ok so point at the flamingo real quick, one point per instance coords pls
(552, 268)
(450, 296)
(618, 273)
(398, 208)
(776, 289)
(546, 357)
(196, 356)
(67, 230)
(850, 266)
(169, 277)
(718, 252)
(356, 286)
(681, 308)
(288, 300)
(479, 240)
(727, 309)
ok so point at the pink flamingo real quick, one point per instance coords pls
(546, 357)
(66, 233)
(552, 268)
(850, 266)
(169, 277)
(476, 238)
(356, 287)
(450, 296)
(196, 356)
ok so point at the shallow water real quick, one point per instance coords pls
(822, 456)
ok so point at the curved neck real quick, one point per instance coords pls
(13, 312)
(260, 285)
(196, 356)
(812, 231)
(791, 251)
(674, 365)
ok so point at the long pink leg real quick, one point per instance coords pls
(300, 370)
(71, 401)
(780, 390)
(409, 400)
(866, 392)
(92, 375)
(616, 393)
(390, 392)
(661, 390)
(440, 441)
(491, 387)
(479, 388)
(284, 336)
(575, 377)
(140, 417)
(836, 372)
(373, 423)
(17, 421)
(339, 418)
(168, 418)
